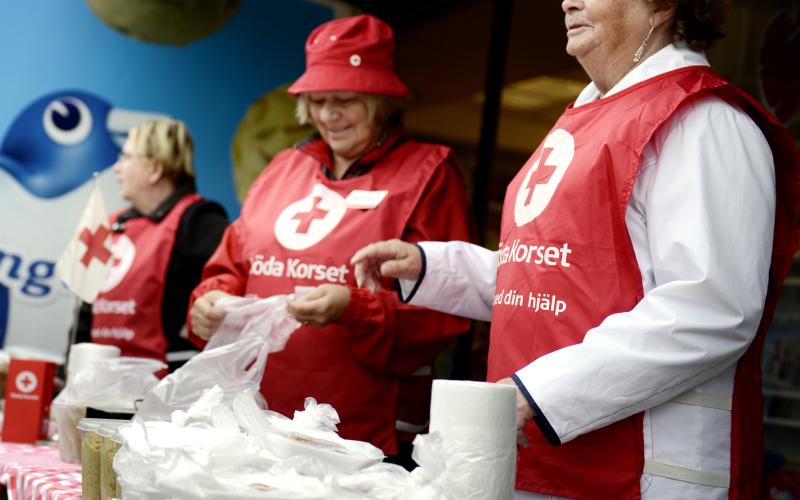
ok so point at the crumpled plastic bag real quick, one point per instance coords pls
(113, 384)
(379, 482)
(109, 384)
(384, 481)
(196, 443)
(464, 469)
(311, 433)
(204, 454)
(314, 416)
(234, 358)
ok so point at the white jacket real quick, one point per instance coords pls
(704, 256)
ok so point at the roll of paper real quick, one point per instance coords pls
(84, 354)
(477, 425)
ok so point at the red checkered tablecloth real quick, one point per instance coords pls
(37, 473)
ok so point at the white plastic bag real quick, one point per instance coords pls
(67, 417)
(234, 358)
(312, 433)
(113, 384)
(464, 468)
(384, 482)
(380, 482)
(200, 455)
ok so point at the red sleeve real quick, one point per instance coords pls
(224, 271)
(393, 337)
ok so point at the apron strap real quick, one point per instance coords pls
(695, 398)
(718, 479)
(696, 476)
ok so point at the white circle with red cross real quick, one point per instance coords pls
(26, 381)
(306, 222)
(542, 178)
(123, 251)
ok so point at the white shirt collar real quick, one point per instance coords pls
(671, 57)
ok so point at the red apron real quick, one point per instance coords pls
(566, 262)
(127, 313)
(301, 233)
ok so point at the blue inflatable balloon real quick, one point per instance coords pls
(58, 142)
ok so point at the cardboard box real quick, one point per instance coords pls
(29, 392)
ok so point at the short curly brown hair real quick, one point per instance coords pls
(697, 22)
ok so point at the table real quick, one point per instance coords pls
(37, 473)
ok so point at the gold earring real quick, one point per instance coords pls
(640, 51)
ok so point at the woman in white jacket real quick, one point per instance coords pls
(642, 249)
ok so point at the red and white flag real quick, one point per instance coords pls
(86, 262)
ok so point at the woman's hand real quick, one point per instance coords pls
(392, 258)
(524, 412)
(320, 306)
(205, 317)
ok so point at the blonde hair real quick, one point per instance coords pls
(168, 142)
(382, 110)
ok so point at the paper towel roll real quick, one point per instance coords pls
(477, 424)
(460, 403)
(84, 354)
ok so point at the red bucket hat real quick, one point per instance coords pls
(352, 54)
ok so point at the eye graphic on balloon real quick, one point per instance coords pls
(57, 142)
(67, 121)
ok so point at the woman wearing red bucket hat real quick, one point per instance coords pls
(354, 54)
(359, 179)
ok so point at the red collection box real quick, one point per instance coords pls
(29, 392)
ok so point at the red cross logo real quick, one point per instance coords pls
(95, 245)
(541, 175)
(306, 218)
(26, 381)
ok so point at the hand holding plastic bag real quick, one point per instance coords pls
(234, 358)
(252, 317)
